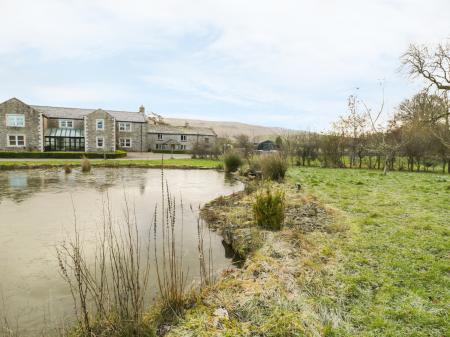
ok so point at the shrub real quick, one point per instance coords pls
(62, 155)
(273, 167)
(268, 209)
(85, 165)
(232, 161)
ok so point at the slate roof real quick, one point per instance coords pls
(76, 113)
(180, 130)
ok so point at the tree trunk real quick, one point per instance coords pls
(386, 161)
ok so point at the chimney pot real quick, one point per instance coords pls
(142, 109)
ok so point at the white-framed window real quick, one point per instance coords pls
(182, 147)
(17, 121)
(15, 140)
(66, 123)
(125, 142)
(160, 136)
(126, 127)
(206, 140)
(100, 142)
(160, 146)
(183, 138)
(100, 124)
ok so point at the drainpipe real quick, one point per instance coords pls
(142, 139)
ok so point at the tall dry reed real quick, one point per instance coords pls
(110, 294)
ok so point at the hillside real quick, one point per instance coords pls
(230, 129)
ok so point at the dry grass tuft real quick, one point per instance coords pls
(85, 164)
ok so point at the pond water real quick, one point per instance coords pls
(37, 211)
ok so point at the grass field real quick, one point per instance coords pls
(378, 265)
(395, 274)
(170, 163)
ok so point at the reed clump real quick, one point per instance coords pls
(273, 167)
(67, 169)
(232, 161)
(110, 294)
(85, 164)
(269, 208)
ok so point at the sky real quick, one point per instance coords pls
(287, 63)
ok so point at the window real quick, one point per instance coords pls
(160, 136)
(66, 124)
(100, 142)
(15, 120)
(16, 140)
(182, 147)
(125, 127)
(160, 146)
(100, 124)
(125, 142)
(206, 140)
(183, 138)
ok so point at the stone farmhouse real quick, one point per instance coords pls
(26, 127)
(169, 137)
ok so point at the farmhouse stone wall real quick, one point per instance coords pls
(33, 126)
(137, 134)
(91, 133)
(54, 123)
(190, 142)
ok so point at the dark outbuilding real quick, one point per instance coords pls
(267, 145)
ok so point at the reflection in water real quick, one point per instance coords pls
(36, 214)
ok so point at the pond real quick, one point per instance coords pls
(38, 210)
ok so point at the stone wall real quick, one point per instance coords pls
(190, 142)
(91, 133)
(54, 123)
(137, 134)
(32, 130)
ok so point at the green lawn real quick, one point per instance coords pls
(395, 274)
(173, 163)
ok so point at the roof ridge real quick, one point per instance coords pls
(73, 108)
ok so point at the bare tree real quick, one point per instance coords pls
(432, 65)
(388, 146)
(353, 129)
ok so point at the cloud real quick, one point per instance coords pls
(81, 93)
(292, 56)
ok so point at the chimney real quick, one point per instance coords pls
(186, 124)
(142, 109)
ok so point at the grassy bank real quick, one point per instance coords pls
(361, 254)
(395, 273)
(168, 163)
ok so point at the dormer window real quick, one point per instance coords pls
(66, 124)
(17, 121)
(100, 124)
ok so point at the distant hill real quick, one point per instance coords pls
(231, 129)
